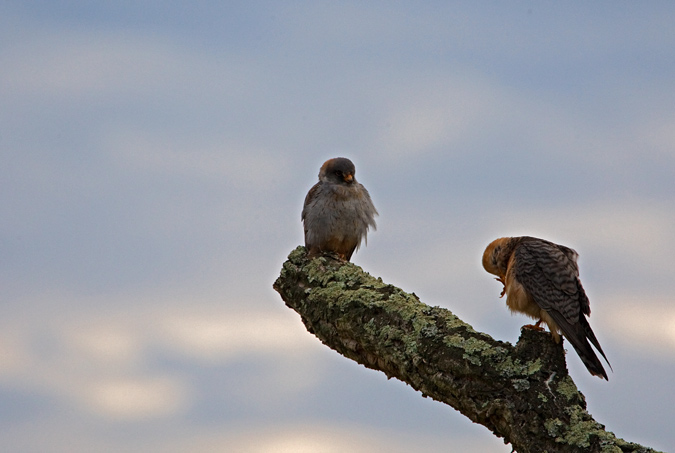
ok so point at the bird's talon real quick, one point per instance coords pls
(536, 327)
(501, 280)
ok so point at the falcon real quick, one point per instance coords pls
(541, 280)
(338, 211)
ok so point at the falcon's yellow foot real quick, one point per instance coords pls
(536, 326)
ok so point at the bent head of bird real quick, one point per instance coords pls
(496, 256)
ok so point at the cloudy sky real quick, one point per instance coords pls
(155, 156)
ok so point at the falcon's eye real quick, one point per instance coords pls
(338, 173)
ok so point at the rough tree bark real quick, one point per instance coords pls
(521, 393)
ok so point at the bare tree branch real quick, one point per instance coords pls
(521, 393)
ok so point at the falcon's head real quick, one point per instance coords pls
(496, 256)
(338, 170)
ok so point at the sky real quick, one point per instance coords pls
(155, 160)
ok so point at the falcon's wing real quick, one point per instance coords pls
(311, 195)
(550, 274)
(550, 277)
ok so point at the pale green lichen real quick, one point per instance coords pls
(508, 367)
(429, 330)
(533, 367)
(611, 447)
(419, 320)
(520, 384)
(453, 322)
(327, 271)
(454, 341)
(316, 272)
(365, 296)
(582, 428)
(567, 388)
(410, 345)
(389, 335)
(630, 446)
(542, 397)
(554, 427)
(372, 328)
(472, 347)
(495, 351)
(457, 341)
(297, 255)
(580, 431)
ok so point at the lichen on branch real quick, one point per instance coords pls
(521, 393)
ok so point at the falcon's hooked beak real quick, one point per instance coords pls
(348, 177)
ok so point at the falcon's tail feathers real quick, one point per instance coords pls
(578, 336)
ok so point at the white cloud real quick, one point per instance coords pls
(15, 359)
(436, 116)
(334, 437)
(105, 344)
(644, 323)
(219, 337)
(68, 65)
(103, 363)
(136, 398)
(242, 166)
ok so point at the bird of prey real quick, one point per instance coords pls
(338, 211)
(541, 280)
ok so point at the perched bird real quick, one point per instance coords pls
(337, 211)
(541, 280)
